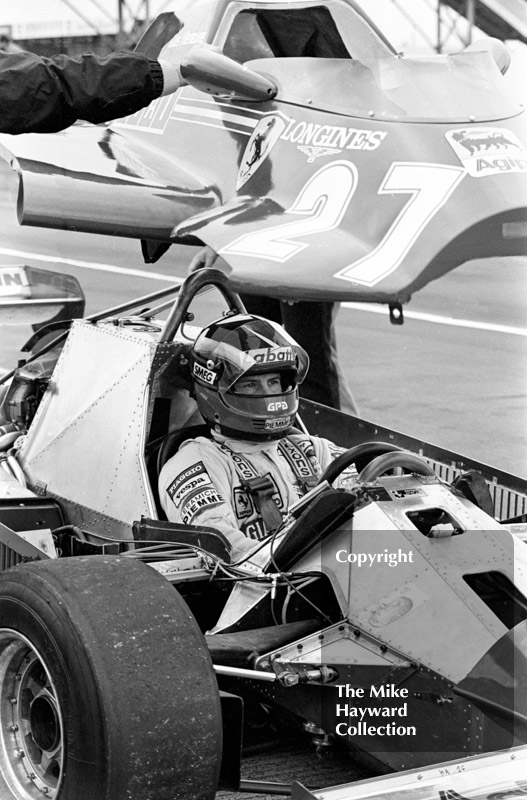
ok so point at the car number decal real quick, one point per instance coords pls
(429, 186)
(319, 207)
(325, 198)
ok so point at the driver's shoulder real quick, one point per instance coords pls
(319, 442)
(190, 453)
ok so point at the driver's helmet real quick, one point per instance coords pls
(233, 347)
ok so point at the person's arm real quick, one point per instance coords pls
(45, 95)
(194, 494)
(327, 451)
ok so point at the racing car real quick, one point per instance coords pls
(130, 646)
(302, 132)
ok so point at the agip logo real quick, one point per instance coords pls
(488, 151)
(263, 139)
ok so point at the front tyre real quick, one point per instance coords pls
(31, 725)
(107, 691)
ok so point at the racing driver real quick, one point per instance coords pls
(243, 479)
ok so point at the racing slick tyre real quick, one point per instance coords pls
(107, 690)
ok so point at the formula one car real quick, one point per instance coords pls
(387, 619)
(302, 132)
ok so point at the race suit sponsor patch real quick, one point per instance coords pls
(190, 472)
(254, 529)
(488, 151)
(190, 486)
(243, 504)
(198, 502)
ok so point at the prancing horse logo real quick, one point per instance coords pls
(263, 139)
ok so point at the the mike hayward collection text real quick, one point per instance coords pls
(359, 716)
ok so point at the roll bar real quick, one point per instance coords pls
(190, 287)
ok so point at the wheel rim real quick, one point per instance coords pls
(31, 727)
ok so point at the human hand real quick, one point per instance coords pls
(203, 260)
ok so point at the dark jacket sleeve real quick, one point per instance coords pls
(44, 95)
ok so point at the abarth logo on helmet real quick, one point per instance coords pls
(274, 356)
(277, 405)
(204, 374)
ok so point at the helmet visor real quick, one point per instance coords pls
(258, 345)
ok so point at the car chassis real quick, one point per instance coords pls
(129, 645)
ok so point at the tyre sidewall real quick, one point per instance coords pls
(52, 635)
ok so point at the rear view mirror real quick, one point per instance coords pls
(36, 296)
(210, 71)
(495, 48)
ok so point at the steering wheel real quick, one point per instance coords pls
(361, 455)
(403, 459)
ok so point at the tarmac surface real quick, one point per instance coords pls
(296, 761)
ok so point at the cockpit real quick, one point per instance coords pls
(333, 30)
(245, 31)
(263, 33)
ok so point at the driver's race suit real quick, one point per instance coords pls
(204, 483)
(44, 95)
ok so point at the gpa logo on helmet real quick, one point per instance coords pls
(205, 375)
(277, 405)
(277, 355)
